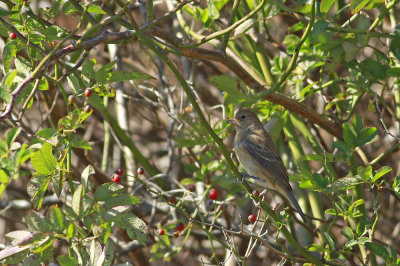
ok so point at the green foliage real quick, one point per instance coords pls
(325, 72)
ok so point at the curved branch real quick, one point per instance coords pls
(287, 102)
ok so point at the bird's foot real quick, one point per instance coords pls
(243, 178)
(244, 175)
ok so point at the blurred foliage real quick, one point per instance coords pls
(163, 78)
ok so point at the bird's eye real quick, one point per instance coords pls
(242, 116)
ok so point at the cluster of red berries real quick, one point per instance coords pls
(87, 93)
(179, 227)
(116, 177)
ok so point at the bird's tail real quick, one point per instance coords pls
(296, 205)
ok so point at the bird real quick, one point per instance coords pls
(256, 152)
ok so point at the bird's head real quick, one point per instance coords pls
(245, 119)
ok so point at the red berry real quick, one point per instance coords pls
(119, 171)
(87, 108)
(172, 199)
(13, 35)
(179, 227)
(213, 194)
(192, 188)
(88, 92)
(161, 231)
(176, 234)
(221, 207)
(71, 99)
(116, 178)
(252, 218)
(140, 171)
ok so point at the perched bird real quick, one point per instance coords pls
(257, 154)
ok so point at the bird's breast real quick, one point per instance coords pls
(251, 166)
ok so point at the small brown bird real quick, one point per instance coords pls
(257, 154)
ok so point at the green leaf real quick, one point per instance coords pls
(326, 5)
(357, 5)
(13, 255)
(367, 135)
(319, 27)
(393, 71)
(342, 184)
(365, 173)
(291, 41)
(118, 76)
(317, 248)
(77, 200)
(331, 242)
(107, 190)
(116, 213)
(107, 256)
(319, 181)
(349, 134)
(43, 161)
(23, 66)
(95, 9)
(70, 231)
(69, 8)
(136, 228)
(213, 10)
(3, 147)
(377, 249)
(395, 46)
(17, 237)
(121, 199)
(351, 243)
(396, 186)
(350, 50)
(363, 23)
(54, 32)
(381, 172)
(74, 84)
(347, 232)
(9, 78)
(363, 227)
(373, 69)
(5, 12)
(103, 74)
(37, 187)
(9, 51)
(12, 135)
(78, 142)
(89, 170)
(3, 177)
(58, 181)
(67, 261)
(47, 133)
(39, 222)
(56, 219)
(87, 69)
(230, 86)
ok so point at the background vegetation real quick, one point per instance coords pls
(163, 77)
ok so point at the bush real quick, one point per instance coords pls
(115, 146)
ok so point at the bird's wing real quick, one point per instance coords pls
(270, 161)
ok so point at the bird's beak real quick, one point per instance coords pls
(232, 121)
